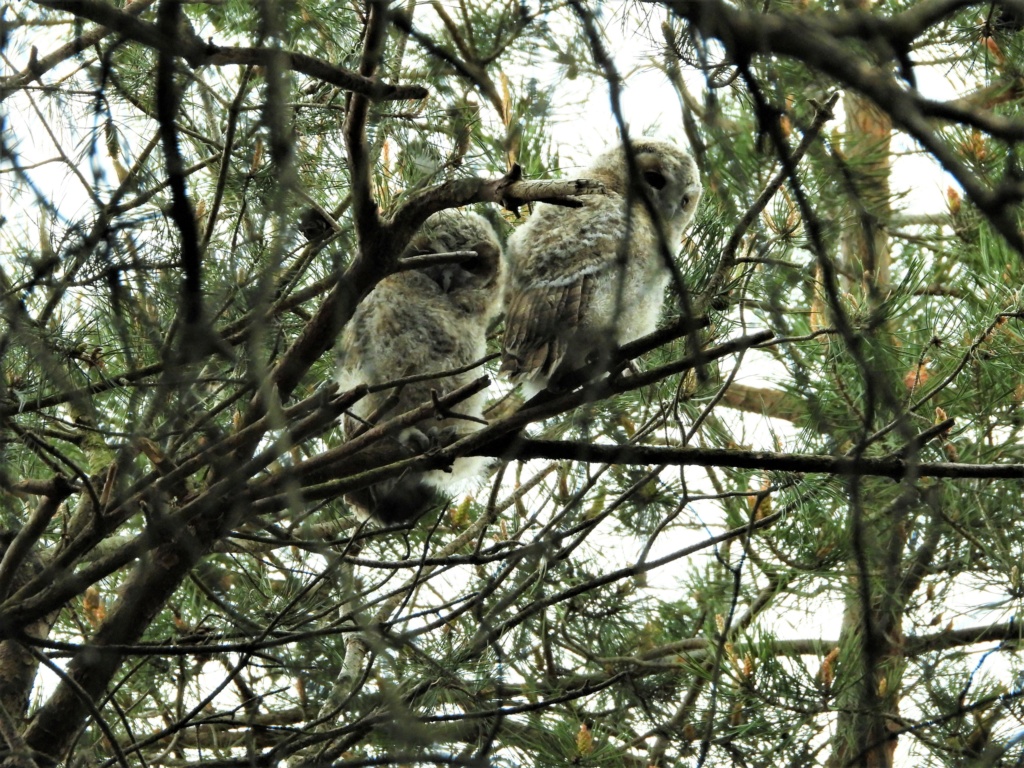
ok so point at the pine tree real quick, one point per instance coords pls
(784, 532)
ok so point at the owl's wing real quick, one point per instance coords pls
(539, 323)
(558, 260)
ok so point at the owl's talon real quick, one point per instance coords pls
(415, 440)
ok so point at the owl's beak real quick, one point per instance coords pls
(447, 273)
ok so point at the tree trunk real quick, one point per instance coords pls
(872, 635)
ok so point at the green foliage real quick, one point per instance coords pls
(752, 595)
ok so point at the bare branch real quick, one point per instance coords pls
(894, 468)
(37, 67)
(196, 52)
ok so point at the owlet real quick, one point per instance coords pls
(580, 280)
(423, 321)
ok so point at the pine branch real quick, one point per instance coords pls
(39, 66)
(893, 468)
(181, 212)
(768, 402)
(198, 53)
(819, 44)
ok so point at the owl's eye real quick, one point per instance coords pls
(655, 179)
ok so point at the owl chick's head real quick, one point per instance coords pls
(668, 173)
(475, 283)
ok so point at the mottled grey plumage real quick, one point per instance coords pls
(422, 321)
(568, 299)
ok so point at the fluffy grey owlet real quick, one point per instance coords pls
(420, 321)
(568, 299)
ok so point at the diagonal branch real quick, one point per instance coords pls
(56, 724)
(197, 52)
(181, 211)
(18, 549)
(364, 207)
(728, 258)
(812, 41)
(37, 67)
